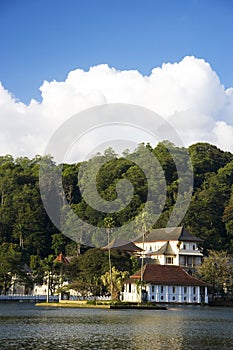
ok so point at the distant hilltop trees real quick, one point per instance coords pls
(24, 221)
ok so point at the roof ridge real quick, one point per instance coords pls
(167, 274)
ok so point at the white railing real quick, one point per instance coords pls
(18, 297)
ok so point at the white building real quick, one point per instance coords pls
(172, 246)
(165, 284)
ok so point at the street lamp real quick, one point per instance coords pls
(109, 223)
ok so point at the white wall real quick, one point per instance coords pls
(134, 295)
(167, 294)
(177, 246)
(176, 294)
(40, 289)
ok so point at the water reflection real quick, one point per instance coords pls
(23, 326)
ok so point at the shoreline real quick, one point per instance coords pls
(85, 305)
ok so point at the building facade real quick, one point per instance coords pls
(171, 246)
(165, 284)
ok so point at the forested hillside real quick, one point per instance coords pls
(23, 219)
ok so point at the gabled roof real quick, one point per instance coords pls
(166, 275)
(168, 234)
(166, 249)
(61, 258)
(122, 244)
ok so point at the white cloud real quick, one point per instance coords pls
(188, 94)
(223, 135)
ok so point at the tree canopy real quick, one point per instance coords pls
(24, 221)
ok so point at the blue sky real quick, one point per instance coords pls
(46, 39)
(61, 57)
(78, 77)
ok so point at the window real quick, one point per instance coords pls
(184, 246)
(161, 289)
(152, 297)
(150, 248)
(185, 290)
(161, 297)
(194, 290)
(173, 298)
(169, 260)
(173, 289)
(129, 287)
(152, 289)
(182, 260)
(194, 246)
(190, 261)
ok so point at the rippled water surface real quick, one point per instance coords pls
(26, 327)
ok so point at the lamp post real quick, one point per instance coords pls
(109, 223)
(143, 221)
(142, 262)
(109, 261)
(48, 285)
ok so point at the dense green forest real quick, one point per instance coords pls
(24, 222)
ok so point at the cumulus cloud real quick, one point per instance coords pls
(188, 94)
(223, 133)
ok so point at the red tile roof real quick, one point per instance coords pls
(62, 258)
(166, 275)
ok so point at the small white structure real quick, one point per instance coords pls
(18, 288)
(171, 246)
(165, 284)
(40, 289)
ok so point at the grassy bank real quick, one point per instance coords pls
(93, 304)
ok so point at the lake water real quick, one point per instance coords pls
(25, 327)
